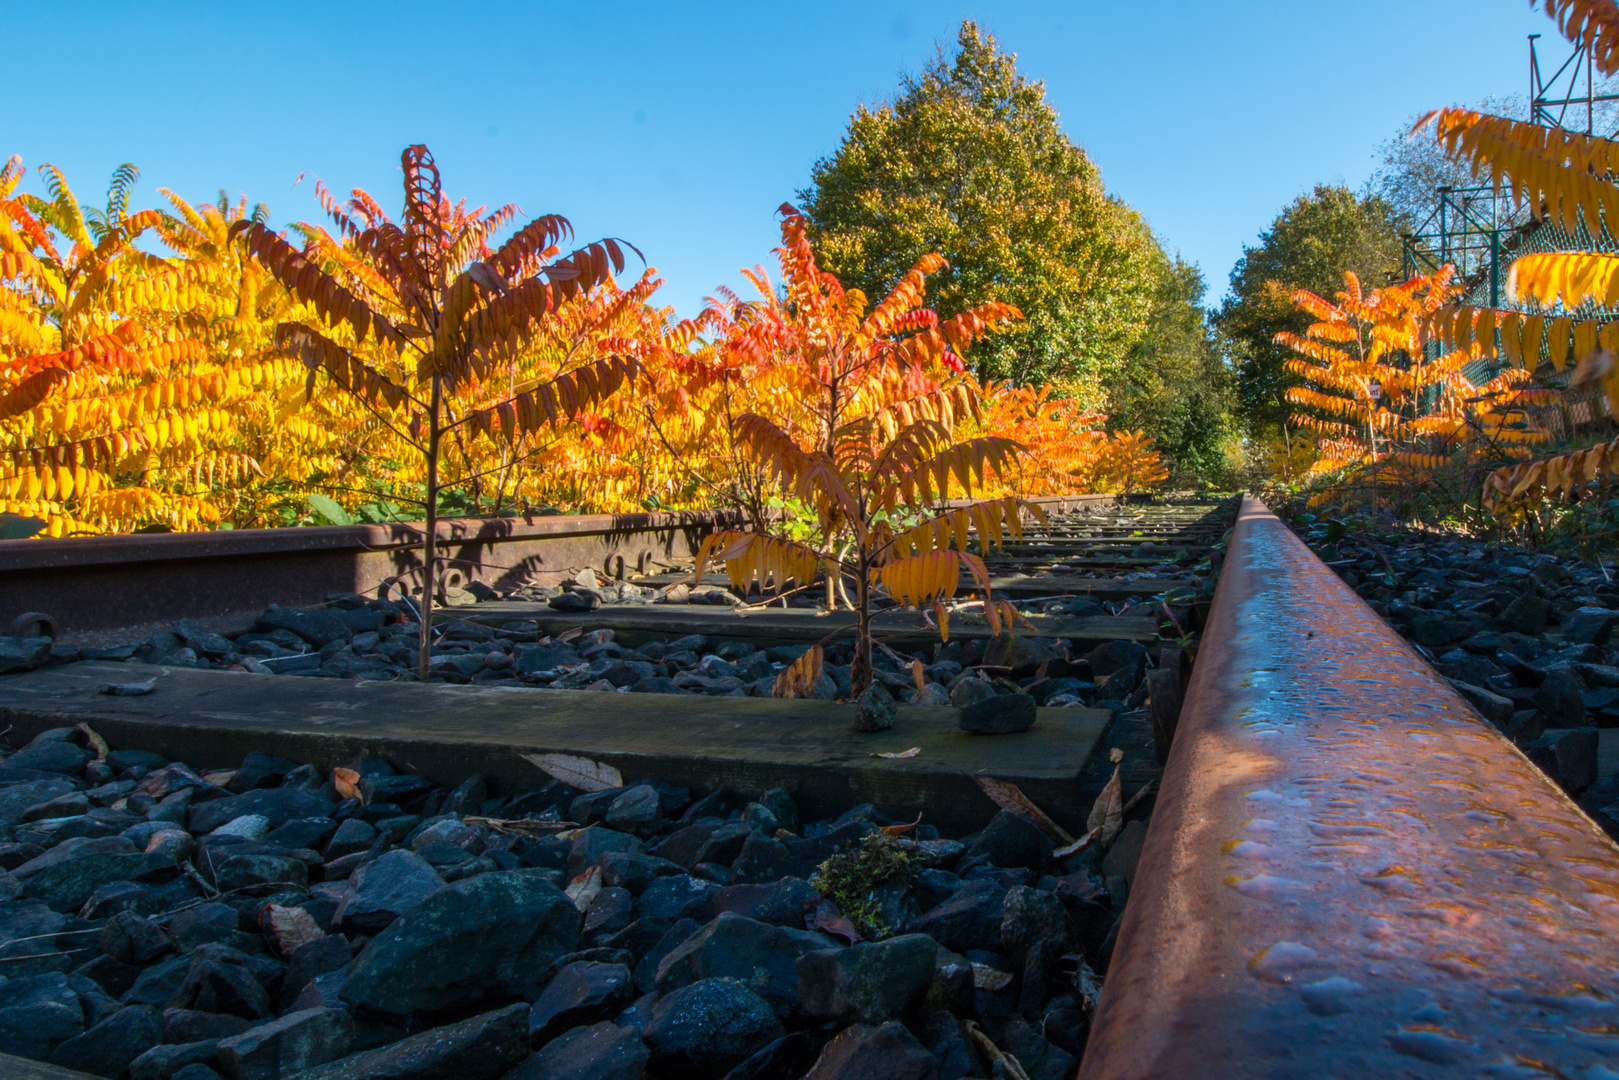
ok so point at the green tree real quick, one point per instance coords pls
(1309, 245)
(1176, 385)
(969, 161)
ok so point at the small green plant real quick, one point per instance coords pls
(851, 880)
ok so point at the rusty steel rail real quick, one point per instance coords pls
(99, 583)
(1348, 872)
(106, 582)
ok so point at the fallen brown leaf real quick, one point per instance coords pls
(347, 783)
(579, 773)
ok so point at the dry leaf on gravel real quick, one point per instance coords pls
(97, 743)
(583, 889)
(579, 773)
(289, 927)
(988, 978)
(829, 920)
(1107, 814)
(347, 783)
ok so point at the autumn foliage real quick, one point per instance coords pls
(187, 367)
(1384, 407)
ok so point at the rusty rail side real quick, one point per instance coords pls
(1349, 873)
(105, 582)
(97, 583)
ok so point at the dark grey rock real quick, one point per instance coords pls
(862, 1051)
(484, 1047)
(604, 1051)
(869, 982)
(646, 968)
(1022, 655)
(16, 798)
(683, 845)
(1030, 917)
(724, 845)
(131, 939)
(762, 860)
(52, 757)
(1568, 755)
(1012, 840)
(635, 811)
(1589, 624)
(876, 710)
(764, 957)
(592, 843)
(297, 1041)
(311, 832)
(999, 715)
(580, 600)
(163, 782)
(68, 874)
(68, 805)
(197, 1071)
(970, 919)
(678, 897)
(1561, 697)
(785, 1059)
(782, 902)
(351, 835)
(399, 790)
(1493, 707)
(109, 1047)
(1039, 1058)
(382, 890)
(1527, 614)
(23, 653)
(211, 923)
(240, 873)
(581, 993)
(259, 771)
(312, 959)
(468, 796)
(187, 1025)
(478, 938)
(219, 979)
(628, 870)
(165, 1061)
(970, 691)
(277, 805)
(611, 911)
(543, 657)
(317, 627)
(702, 1030)
(37, 1012)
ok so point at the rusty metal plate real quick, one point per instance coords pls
(1349, 873)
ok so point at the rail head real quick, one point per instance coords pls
(1348, 872)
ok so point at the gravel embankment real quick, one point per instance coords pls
(272, 921)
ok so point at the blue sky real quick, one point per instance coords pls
(682, 126)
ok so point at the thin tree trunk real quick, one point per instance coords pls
(860, 667)
(430, 542)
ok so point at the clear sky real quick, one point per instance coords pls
(682, 126)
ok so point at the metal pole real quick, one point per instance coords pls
(1590, 113)
(1534, 71)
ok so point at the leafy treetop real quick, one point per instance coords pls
(969, 161)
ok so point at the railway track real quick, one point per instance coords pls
(1344, 869)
